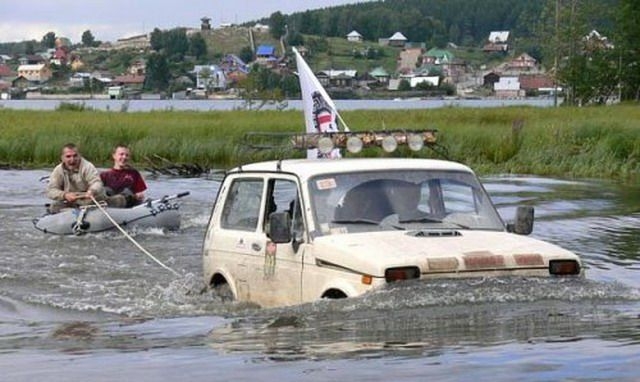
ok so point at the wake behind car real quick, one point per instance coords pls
(295, 231)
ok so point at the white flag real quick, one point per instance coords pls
(320, 113)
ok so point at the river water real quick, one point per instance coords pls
(233, 104)
(95, 308)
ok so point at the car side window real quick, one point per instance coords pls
(242, 206)
(284, 198)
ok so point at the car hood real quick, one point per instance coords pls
(436, 251)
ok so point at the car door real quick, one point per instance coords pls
(237, 241)
(277, 271)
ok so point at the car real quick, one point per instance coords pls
(293, 231)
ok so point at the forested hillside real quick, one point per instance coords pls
(438, 22)
(463, 22)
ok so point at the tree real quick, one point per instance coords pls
(30, 47)
(198, 46)
(87, 39)
(295, 39)
(158, 74)
(176, 44)
(246, 54)
(49, 40)
(156, 39)
(404, 85)
(585, 67)
(629, 54)
(120, 60)
(205, 75)
(277, 25)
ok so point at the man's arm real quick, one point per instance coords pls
(92, 177)
(55, 187)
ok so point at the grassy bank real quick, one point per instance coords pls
(602, 142)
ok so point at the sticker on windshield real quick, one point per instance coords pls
(326, 184)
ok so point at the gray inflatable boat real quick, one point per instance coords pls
(159, 213)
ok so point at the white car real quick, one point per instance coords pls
(294, 231)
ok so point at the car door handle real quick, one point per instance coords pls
(256, 247)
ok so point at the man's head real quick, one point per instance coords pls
(120, 155)
(70, 156)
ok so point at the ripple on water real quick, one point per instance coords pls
(419, 318)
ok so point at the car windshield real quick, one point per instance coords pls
(400, 200)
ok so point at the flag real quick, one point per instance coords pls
(320, 113)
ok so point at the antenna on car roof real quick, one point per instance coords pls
(279, 165)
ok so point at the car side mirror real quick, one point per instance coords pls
(523, 225)
(280, 227)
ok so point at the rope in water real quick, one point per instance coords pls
(131, 238)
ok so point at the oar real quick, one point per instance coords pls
(130, 238)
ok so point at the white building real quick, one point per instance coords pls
(354, 36)
(508, 87)
(210, 77)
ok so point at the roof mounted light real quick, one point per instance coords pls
(354, 144)
(389, 143)
(325, 145)
(415, 142)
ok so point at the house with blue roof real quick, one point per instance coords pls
(266, 54)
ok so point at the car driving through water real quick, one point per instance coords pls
(294, 231)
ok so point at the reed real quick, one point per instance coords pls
(602, 142)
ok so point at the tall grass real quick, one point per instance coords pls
(602, 142)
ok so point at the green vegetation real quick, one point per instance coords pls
(594, 142)
(591, 70)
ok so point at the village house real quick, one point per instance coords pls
(266, 55)
(354, 36)
(536, 83)
(235, 70)
(60, 54)
(595, 41)
(138, 42)
(38, 73)
(489, 79)
(76, 63)
(31, 59)
(6, 76)
(129, 82)
(210, 77)
(523, 63)
(438, 56)
(337, 78)
(415, 79)
(450, 68)
(95, 80)
(397, 39)
(380, 75)
(497, 42)
(138, 67)
(508, 87)
(260, 28)
(6, 73)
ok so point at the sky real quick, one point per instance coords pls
(109, 20)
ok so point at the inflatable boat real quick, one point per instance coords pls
(158, 213)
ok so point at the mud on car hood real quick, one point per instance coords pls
(436, 251)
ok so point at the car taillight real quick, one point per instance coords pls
(404, 273)
(564, 267)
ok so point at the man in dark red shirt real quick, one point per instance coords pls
(123, 183)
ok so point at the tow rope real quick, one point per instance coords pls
(131, 238)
